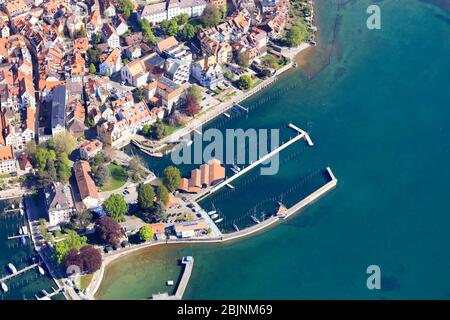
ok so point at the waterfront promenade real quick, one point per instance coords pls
(98, 276)
(240, 96)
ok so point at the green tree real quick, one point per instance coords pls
(146, 233)
(297, 35)
(147, 31)
(72, 241)
(30, 149)
(125, 7)
(139, 94)
(102, 175)
(64, 168)
(195, 91)
(162, 194)
(171, 178)
(146, 196)
(136, 168)
(188, 32)
(115, 207)
(50, 170)
(183, 19)
(170, 28)
(40, 158)
(64, 142)
(245, 82)
(158, 130)
(243, 60)
(81, 219)
(92, 68)
(211, 16)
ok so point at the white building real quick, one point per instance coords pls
(59, 203)
(155, 13)
(7, 161)
(177, 70)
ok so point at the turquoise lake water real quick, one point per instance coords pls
(377, 105)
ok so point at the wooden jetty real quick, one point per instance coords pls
(188, 265)
(48, 296)
(302, 135)
(19, 272)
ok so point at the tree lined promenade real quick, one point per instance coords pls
(240, 95)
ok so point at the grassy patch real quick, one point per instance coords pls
(119, 177)
(85, 280)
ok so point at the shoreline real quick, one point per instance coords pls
(98, 277)
(214, 112)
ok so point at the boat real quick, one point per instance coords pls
(41, 270)
(44, 292)
(234, 170)
(12, 268)
(21, 212)
(235, 167)
(230, 186)
(189, 142)
(235, 227)
(210, 213)
(21, 205)
(169, 282)
(219, 220)
(4, 287)
(20, 230)
(255, 219)
(226, 115)
(214, 216)
(12, 206)
(25, 229)
(23, 241)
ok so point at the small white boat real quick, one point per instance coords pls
(41, 270)
(214, 216)
(21, 212)
(4, 287)
(21, 205)
(255, 219)
(12, 206)
(189, 143)
(235, 167)
(169, 282)
(219, 220)
(210, 213)
(20, 230)
(12, 268)
(25, 229)
(226, 115)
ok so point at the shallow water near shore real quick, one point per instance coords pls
(378, 113)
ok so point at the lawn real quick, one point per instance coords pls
(118, 177)
(85, 280)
